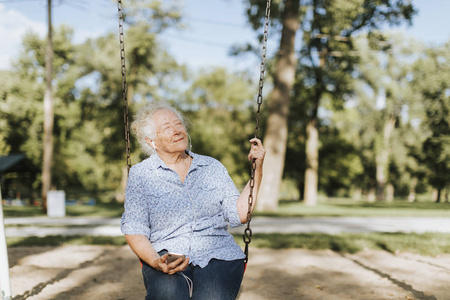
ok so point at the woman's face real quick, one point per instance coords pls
(171, 136)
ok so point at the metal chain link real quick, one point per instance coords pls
(124, 86)
(248, 231)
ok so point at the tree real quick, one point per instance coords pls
(409, 157)
(88, 128)
(381, 117)
(48, 113)
(327, 61)
(385, 70)
(431, 81)
(152, 75)
(23, 93)
(7, 78)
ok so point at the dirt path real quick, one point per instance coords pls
(109, 272)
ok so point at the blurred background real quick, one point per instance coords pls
(356, 105)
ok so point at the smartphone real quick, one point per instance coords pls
(171, 257)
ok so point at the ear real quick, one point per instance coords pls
(150, 142)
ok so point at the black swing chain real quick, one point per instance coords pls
(248, 231)
(124, 86)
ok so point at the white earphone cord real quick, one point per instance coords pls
(190, 144)
(189, 283)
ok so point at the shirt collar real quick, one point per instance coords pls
(154, 161)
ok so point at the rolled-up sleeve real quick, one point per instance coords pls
(230, 197)
(135, 219)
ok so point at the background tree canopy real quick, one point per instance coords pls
(378, 101)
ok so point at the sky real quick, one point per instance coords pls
(212, 27)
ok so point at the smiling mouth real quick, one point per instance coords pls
(181, 139)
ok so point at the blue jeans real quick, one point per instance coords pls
(219, 280)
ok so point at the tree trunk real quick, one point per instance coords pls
(434, 194)
(381, 175)
(390, 192)
(48, 114)
(276, 135)
(312, 162)
(412, 190)
(438, 195)
(447, 191)
(120, 194)
(357, 194)
(312, 137)
(371, 195)
(382, 158)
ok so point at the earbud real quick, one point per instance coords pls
(190, 144)
(150, 142)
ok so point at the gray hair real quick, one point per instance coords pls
(144, 127)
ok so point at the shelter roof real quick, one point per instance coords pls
(16, 163)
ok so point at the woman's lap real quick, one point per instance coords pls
(219, 280)
(161, 286)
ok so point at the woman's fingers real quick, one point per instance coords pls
(174, 267)
(161, 264)
(180, 267)
(257, 150)
(256, 141)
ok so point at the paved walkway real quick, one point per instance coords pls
(73, 272)
(44, 226)
(111, 272)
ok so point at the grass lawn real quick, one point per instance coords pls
(425, 244)
(106, 210)
(430, 244)
(339, 207)
(344, 207)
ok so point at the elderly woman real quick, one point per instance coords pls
(181, 202)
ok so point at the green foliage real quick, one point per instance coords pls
(386, 107)
(162, 15)
(325, 80)
(327, 60)
(431, 82)
(89, 146)
(23, 96)
(220, 108)
(340, 163)
(256, 10)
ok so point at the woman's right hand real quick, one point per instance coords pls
(141, 245)
(176, 266)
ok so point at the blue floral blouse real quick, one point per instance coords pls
(191, 218)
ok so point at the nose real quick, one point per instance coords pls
(177, 129)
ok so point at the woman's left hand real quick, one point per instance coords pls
(257, 152)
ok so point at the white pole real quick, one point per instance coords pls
(5, 285)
